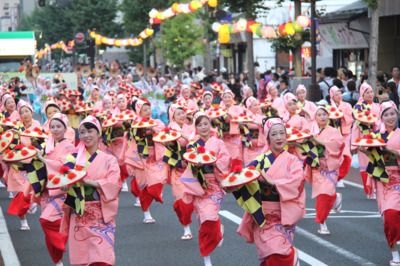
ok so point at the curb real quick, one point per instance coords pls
(8, 256)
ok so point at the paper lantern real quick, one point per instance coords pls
(215, 26)
(241, 25)
(175, 8)
(268, 32)
(253, 27)
(297, 27)
(98, 40)
(184, 8)
(153, 13)
(282, 30)
(117, 43)
(103, 40)
(224, 36)
(194, 5)
(92, 34)
(149, 32)
(303, 21)
(168, 13)
(124, 42)
(289, 29)
(212, 3)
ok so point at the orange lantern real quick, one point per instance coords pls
(175, 8)
(282, 30)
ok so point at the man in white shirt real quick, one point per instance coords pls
(396, 77)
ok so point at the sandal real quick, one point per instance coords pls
(186, 237)
(149, 221)
(323, 232)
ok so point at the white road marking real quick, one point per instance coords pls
(302, 255)
(341, 251)
(6, 246)
(312, 216)
(352, 184)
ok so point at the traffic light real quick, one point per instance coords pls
(42, 3)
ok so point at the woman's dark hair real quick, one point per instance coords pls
(88, 126)
(338, 83)
(133, 104)
(52, 105)
(59, 120)
(351, 85)
(176, 109)
(198, 119)
(393, 95)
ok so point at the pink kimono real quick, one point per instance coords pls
(232, 139)
(207, 201)
(282, 211)
(183, 210)
(309, 108)
(324, 178)
(362, 158)
(51, 204)
(298, 122)
(388, 195)
(258, 141)
(91, 237)
(151, 172)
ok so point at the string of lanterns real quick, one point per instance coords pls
(100, 39)
(58, 45)
(157, 17)
(265, 31)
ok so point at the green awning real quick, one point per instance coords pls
(17, 35)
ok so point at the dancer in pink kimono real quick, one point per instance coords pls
(203, 189)
(177, 118)
(57, 147)
(230, 130)
(145, 156)
(50, 109)
(17, 180)
(206, 101)
(185, 100)
(359, 130)
(307, 107)
(291, 116)
(281, 186)
(273, 97)
(322, 172)
(94, 98)
(344, 126)
(9, 107)
(388, 193)
(91, 236)
(256, 135)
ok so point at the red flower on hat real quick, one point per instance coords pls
(56, 180)
(201, 149)
(18, 147)
(31, 147)
(24, 152)
(8, 135)
(163, 137)
(167, 130)
(64, 169)
(381, 140)
(10, 154)
(333, 109)
(50, 177)
(368, 136)
(78, 167)
(369, 141)
(367, 112)
(192, 156)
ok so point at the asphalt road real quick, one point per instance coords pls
(356, 236)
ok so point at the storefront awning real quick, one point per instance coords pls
(339, 36)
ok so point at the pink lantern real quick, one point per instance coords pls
(303, 21)
(268, 32)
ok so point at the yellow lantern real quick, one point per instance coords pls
(103, 40)
(149, 32)
(289, 29)
(98, 40)
(212, 3)
(194, 5)
(175, 8)
(224, 36)
(92, 34)
(117, 42)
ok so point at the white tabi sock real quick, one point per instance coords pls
(207, 261)
(395, 255)
(147, 215)
(186, 230)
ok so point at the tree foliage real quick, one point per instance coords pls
(136, 18)
(181, 38)
(58, 23)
